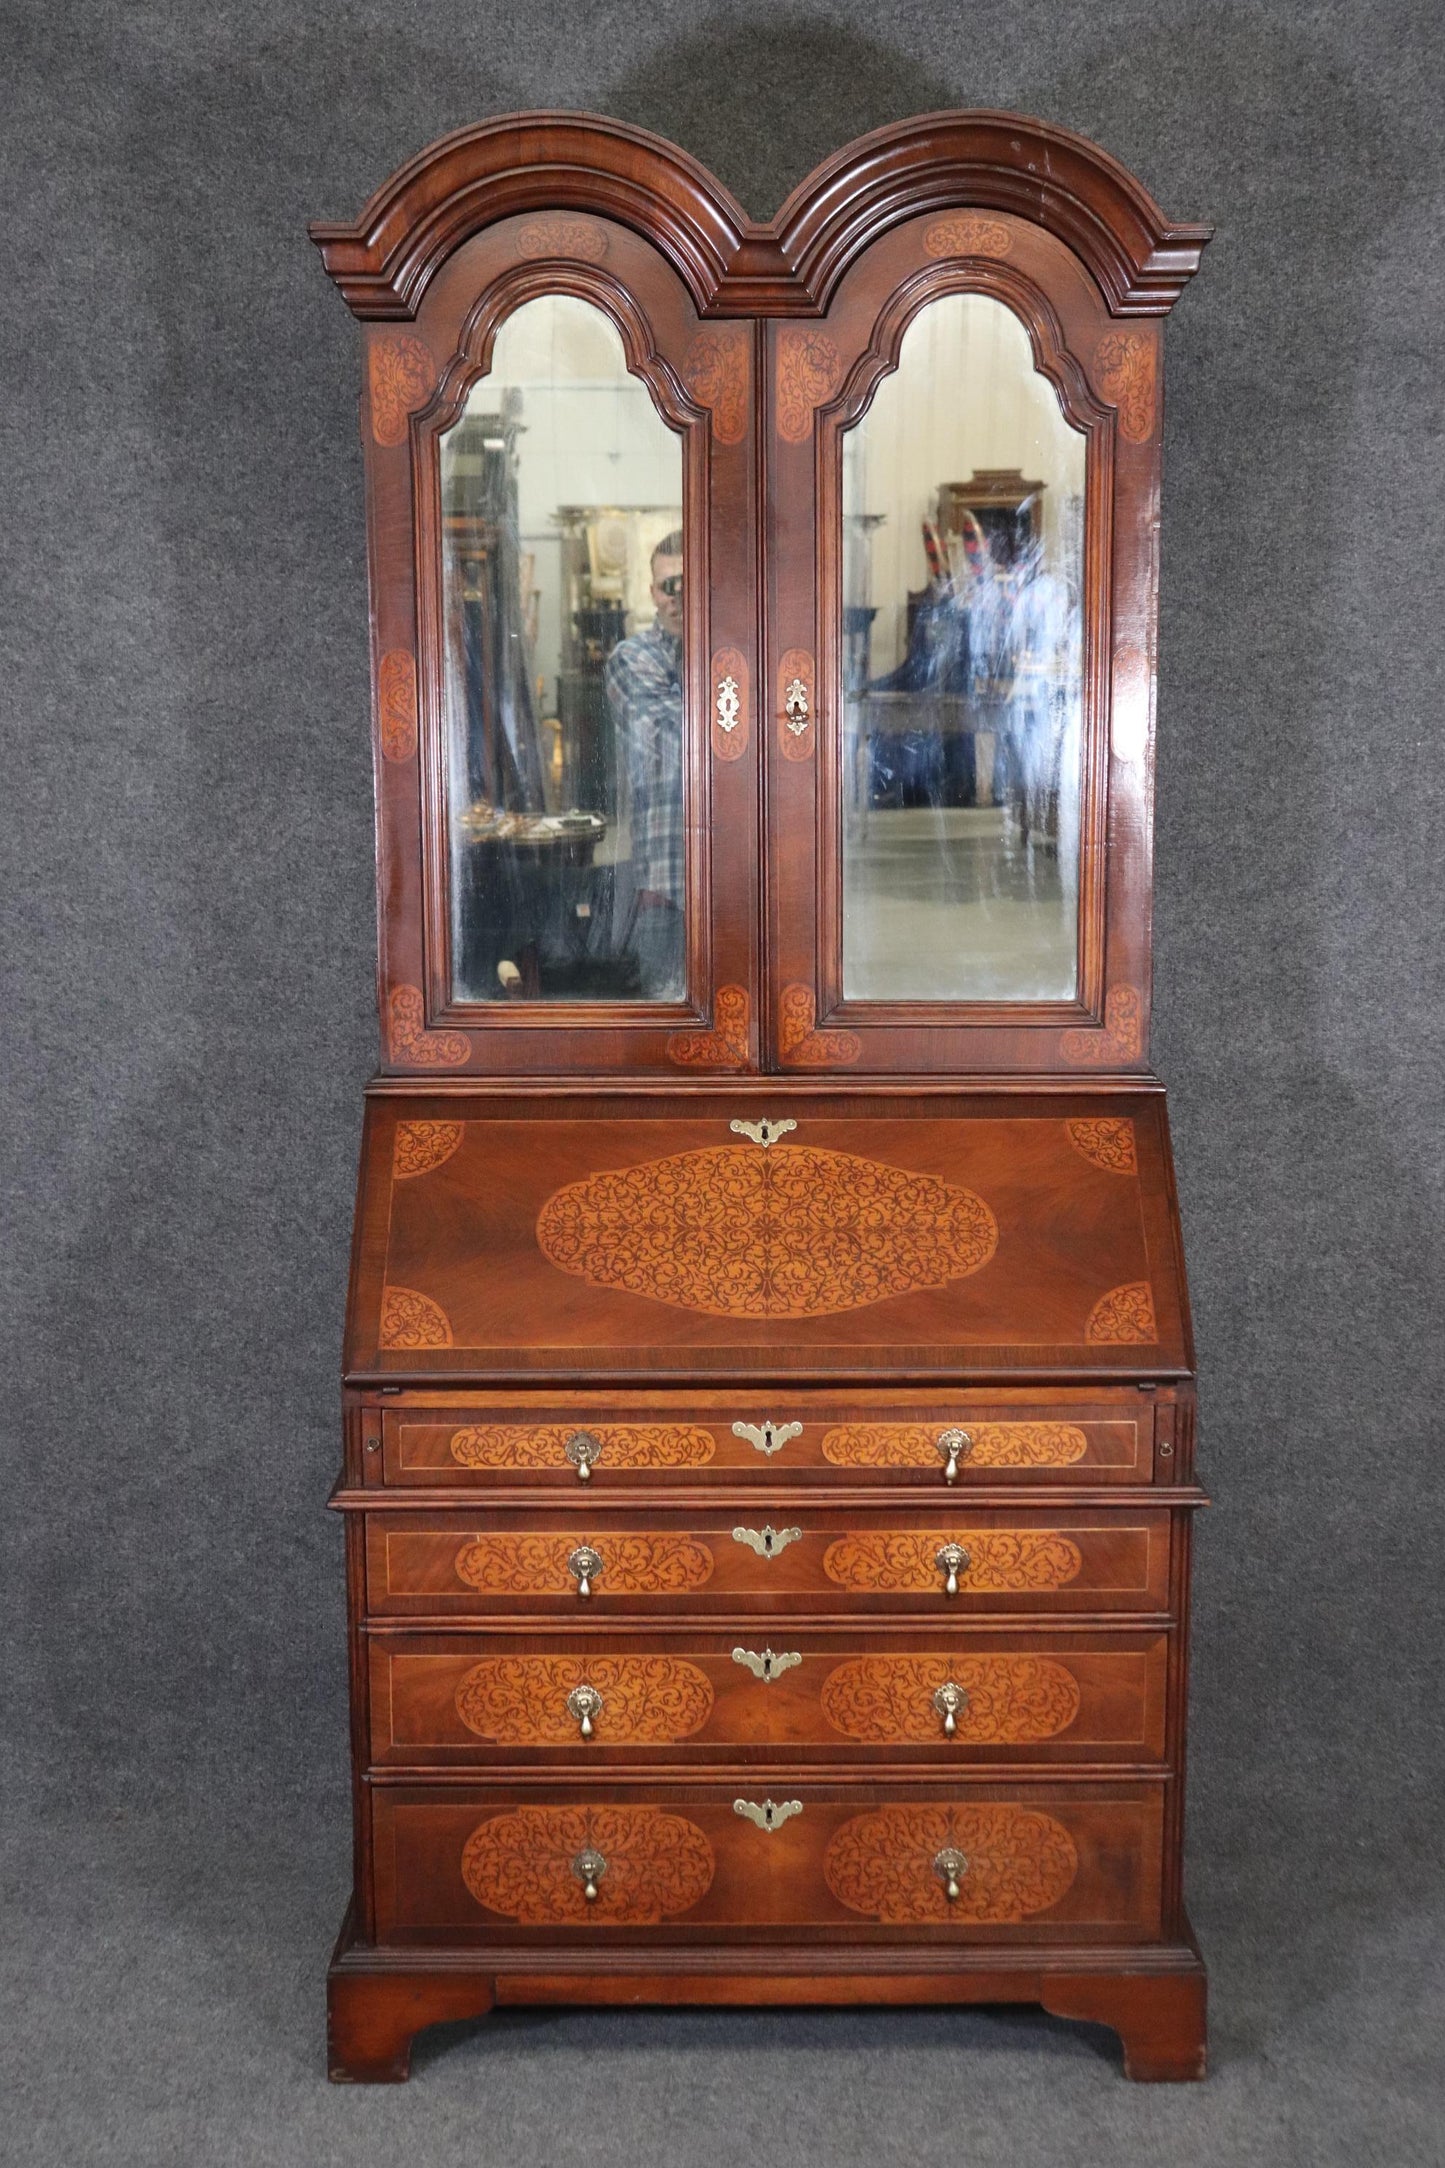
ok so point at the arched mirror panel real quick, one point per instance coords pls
(962, 648)
(563, 638)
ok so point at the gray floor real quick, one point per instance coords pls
(163, 1988)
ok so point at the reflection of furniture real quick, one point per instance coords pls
(941, 719)
(605, 551)
(1009, 509)
(529, 900)
(769, 1417)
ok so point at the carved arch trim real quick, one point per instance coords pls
(789, 265)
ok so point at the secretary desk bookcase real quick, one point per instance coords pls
(769, 1408)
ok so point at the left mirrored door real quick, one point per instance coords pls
(582, 579)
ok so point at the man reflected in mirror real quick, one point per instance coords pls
(643, 679)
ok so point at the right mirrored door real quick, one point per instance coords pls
(962, 681)
(958, 850)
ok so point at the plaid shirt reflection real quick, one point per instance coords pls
(644, 690)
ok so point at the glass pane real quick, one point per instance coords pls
(562, 586)
(963, 545)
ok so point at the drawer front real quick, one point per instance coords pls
(764, 1853)
(920, 1440)
(444, 1564)
(679, 1699)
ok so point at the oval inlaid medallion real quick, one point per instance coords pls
(1000, 1560)
(787, 1232)
(888, 1700)
(515, 1565)
(1018, 1861)
(994, 1445)
(646, 1700)
(544, 1445)
(522, 1865)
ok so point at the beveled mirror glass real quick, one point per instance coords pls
(963, 651)
(562, 592)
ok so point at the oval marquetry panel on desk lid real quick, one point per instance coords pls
(1000, 1560)
(532, 1565)
(1011, 1700)
(544, 1445)
(992, 1445)
(789, 1231)
(523, 1865)
(522, 1700)
(1019, 1861)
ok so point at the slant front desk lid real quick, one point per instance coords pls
(595, 1236)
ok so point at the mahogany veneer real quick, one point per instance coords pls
(970, 1228)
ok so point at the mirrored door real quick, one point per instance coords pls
(944, 460)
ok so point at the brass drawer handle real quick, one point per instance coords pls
(950, 1867)
(582, 1449)
(949, 1700)
(954, 1445)
(771, 1814)
(951, 1561)
(771, 1438)
(586, 1564)
(584, 1702)
(767, 1541)
(589, 1868)
(767, 1666)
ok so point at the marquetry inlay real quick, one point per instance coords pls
(543, 1445)
(533, 1565)
(559, 233)
(726, 1045)
(787, 1232)
(410, 1319)
(402, 377)
(1124, 365)
(396, 704)
(1125, 1314)
(421, 1146)
(1120, 1041)
(411, 1043)
(1000, 1560)
(1108, 1143)
(808, 372)
(800, 1045)
(993, 1445)
(888, 1700)
(715, 371)
(523, 1865)
(522, 1700)
(1019, 1861)
(967, 234)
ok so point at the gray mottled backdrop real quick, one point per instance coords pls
(188, 1022)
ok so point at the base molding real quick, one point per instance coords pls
(378, 1999)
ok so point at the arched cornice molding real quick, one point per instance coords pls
(787, 266)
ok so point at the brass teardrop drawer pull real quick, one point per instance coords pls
(585, 1703)
(586, 1564)
(951, 1561)
(950, 1867)
(589, 1868)
(582, 1449)
(949, 1700)
(770, 1437)
(771, 1814)
(767, 1541)
(767, 1666)
(954, 1445)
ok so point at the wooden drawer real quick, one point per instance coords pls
(843, 1863)
(688, 1698)
(490, 1563)
(1083, 1438)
